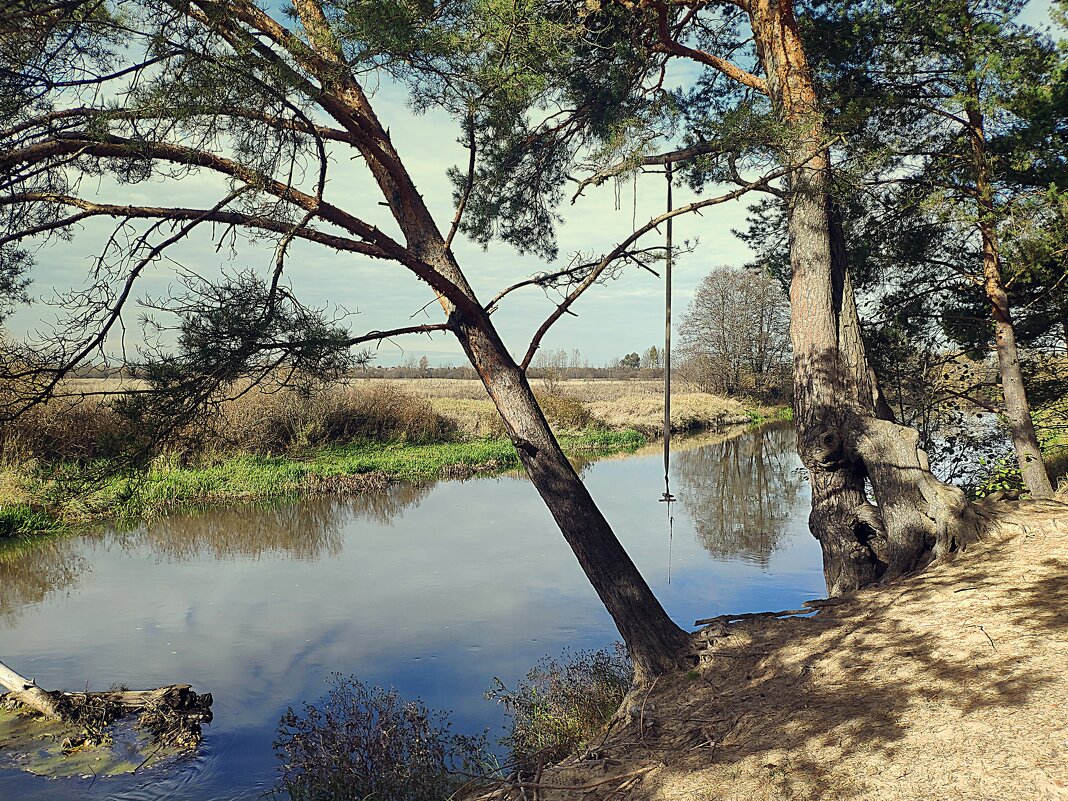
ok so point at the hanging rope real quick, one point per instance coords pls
(668, 497)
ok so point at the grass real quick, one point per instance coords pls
(561, 705)
(71, 494)
(690, 411)
(60, 464)
(369, 743)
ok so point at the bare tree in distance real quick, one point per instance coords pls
(734, 335)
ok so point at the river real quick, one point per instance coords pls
(432, 589)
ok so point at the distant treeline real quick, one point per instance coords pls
(614, 373)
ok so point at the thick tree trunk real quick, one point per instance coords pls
(1017, 409)
(836, 398)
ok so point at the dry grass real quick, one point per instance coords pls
(949, 685)
(266, 421)
(260, 421)
(615, 404)
(689, 411)
(274, 421)
(472, 417)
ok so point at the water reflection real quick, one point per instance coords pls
(306, 531)
(435, 590)
(31, 570)
(740, 492)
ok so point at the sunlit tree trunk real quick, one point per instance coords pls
(1017, 409)
(656, 645)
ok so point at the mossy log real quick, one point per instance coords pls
(173, 714)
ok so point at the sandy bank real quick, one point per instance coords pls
(952, 684)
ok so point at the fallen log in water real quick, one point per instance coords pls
(173, 714)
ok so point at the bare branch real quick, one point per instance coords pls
(378, 336)
(115, 311)
(652, 160)
(564, 306)
(468, 184)
(88, 113)
(672, 47)
(264, 223)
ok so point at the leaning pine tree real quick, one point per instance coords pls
(264, 105)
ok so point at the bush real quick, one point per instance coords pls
(564, 412)
(64, 429)
(371, 744)
(562, 704)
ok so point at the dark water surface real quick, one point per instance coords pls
(435, 590)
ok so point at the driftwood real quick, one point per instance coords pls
(811, 607)
(173, 714)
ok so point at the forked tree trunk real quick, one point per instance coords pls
(836, 400)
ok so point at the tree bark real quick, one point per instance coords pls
(837, 403)
(656, 645)
(1017, 409)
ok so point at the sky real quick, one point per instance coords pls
(612, 319)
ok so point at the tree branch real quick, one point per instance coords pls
(468, 184)
(261, 222)
(373, 336)
(564, 306)
(729, 68)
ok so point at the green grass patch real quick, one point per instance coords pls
(769, 414)
(21, 519)
(69, 494)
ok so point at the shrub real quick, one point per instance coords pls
(564, 412)
(64, 429)
(561, 704)
(276, 420)
(370, 744)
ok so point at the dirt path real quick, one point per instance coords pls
(950, 685)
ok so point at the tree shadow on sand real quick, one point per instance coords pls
(952, 681)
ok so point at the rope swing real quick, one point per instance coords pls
(667, 498)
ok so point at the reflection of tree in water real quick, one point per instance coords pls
(32, 569)
(740, 492)
(306, 530)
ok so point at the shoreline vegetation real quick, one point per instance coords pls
(63, 464)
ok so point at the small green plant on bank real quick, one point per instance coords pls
(561, 704)
(1001, 472)
(370, 744)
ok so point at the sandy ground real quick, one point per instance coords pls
(952, 684)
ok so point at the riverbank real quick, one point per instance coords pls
(950, 684)
(55, 496)
(64, 463)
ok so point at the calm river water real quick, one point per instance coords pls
(435, 590)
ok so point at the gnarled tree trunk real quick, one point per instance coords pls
(837, 405)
